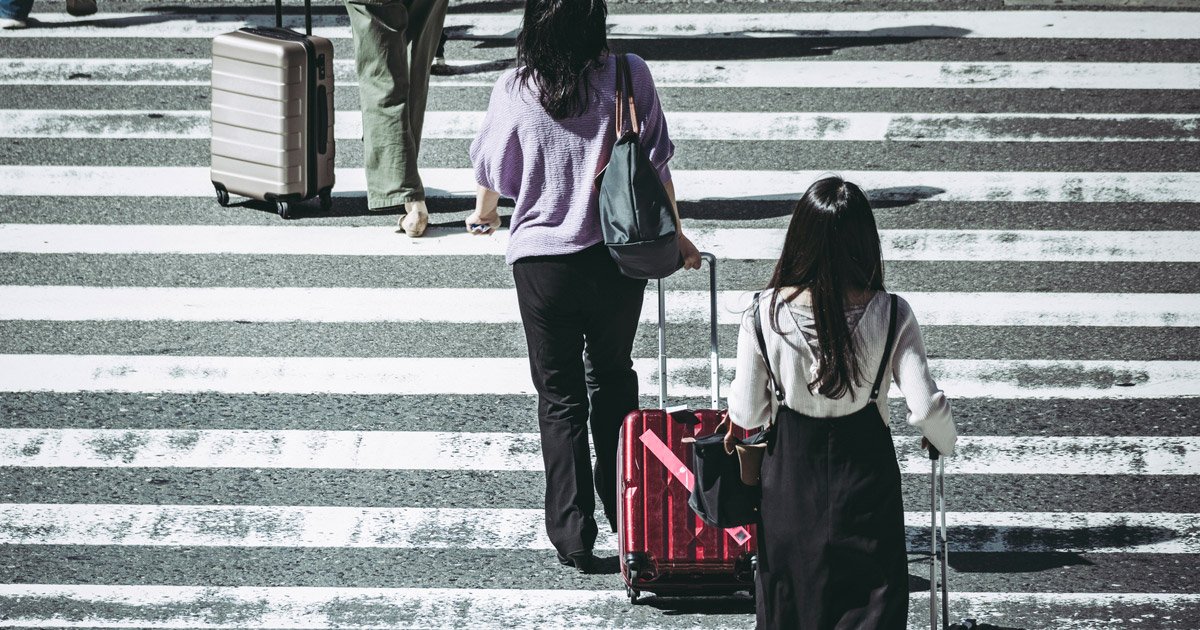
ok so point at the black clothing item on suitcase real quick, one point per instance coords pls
(832, 544)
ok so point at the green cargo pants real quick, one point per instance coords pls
(394, 45)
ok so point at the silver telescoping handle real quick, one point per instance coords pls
(941, 477)
(939, 548)
(714, 349)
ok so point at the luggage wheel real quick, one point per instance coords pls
(282, 208)
(222, 197)
(633, 594)
(326, 200)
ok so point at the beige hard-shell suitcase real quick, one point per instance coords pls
(272, 114)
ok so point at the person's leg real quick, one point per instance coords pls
(553, 321)
(389, 147)
(612, 382)
(439, 57)
(426, 19)
(15, 11)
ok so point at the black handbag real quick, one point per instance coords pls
(726, 492)
(637, 219)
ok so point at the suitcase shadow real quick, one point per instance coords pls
(676, 606)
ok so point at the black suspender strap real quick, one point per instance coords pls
(887, 351)
(762, 346)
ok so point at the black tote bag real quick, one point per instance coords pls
(636, 216)
(720, 495)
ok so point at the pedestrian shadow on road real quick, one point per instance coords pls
(741, 46)
(991, 549)
(733, 209)
(782, 205)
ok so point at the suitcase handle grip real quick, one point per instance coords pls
(307, 15)
(714, 346)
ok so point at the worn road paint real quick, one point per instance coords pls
(735, 126)
(482, 305)
(960, 378)
(158, 606)
(726, 243)
(780, 74)
(489, 528)
(865, 24)
(901, 186)
(432, 450)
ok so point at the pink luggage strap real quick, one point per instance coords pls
(680, 470)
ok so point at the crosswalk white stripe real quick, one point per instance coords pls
(495, 528)
(859, 24)
(707, 74)
(163, 606)
(433, 450)
(766, 126)
(1128, 187)
(961, 378)
(489, 305)
(731, 243)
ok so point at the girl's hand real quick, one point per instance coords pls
(477, 218)
(691, 255)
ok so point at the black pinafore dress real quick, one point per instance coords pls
(832, 550)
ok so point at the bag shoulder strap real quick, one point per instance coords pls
(887, 350)
(624, 98)
(762, 347)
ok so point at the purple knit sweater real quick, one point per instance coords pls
(548, 166)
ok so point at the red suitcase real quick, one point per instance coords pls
(664, 547)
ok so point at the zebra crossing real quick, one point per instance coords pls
(214, 418)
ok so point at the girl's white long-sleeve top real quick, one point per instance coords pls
(752, 403)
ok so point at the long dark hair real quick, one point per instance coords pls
(831, 247)
(559, 42)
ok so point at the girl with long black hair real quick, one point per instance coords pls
(816, 355)
(547, 132)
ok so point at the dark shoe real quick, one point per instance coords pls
(80, 8)
(585, 561)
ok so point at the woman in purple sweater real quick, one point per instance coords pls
(547, 133)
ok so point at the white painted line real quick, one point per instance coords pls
(421, 450)
(486, 305)
(733, 185)
(730, 243)
(492, 528)
(765, 126)
(712, 74)
(859, 24)
(960, 378)
(220, 607)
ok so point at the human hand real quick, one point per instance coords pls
(480, 222)
(691, 255)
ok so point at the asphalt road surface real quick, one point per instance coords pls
(212, 417)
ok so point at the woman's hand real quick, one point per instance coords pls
(478, 218)
(486, 218)
(691, 255)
